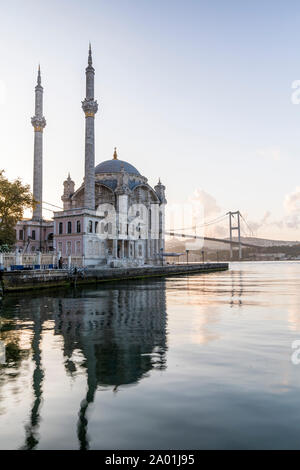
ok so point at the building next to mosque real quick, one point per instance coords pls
(114, 217)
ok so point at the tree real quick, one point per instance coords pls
(14, 198)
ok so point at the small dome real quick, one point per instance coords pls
(115, 166)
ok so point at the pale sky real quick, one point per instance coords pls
(197, 93)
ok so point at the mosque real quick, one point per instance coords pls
(113, 218)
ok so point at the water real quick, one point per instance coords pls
(197, 362)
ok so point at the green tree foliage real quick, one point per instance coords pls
(14, 198)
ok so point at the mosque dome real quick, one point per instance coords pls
(115, 166)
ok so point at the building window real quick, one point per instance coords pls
(102, 249)
(60, 228)
(69, 248)
(160, 222)
(78, 226)
(78, 248)
(131, 250)
(96, 227)
(33, 235)
(97, 248)
(69, 227)
(90, 247)
(90, 230)
(21, 234)
(140, 251)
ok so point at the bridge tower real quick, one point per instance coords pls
(235, 226)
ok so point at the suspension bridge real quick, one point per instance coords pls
(235, 219)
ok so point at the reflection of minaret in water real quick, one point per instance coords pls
(38, 377)
(91, 390)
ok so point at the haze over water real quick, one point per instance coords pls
(190, 362)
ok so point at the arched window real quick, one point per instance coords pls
(90, 226)
(60, 228)
(69, 227)
(96, 227)
(69, 248)
(78, 226)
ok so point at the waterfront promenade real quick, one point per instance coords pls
(49, 278)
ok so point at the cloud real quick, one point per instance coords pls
(292, 202)
(207, 201)
(261, 223)
(270, 153)
(266, 225)
(292, 207)
(3, 93)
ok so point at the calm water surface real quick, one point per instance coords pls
(186, 362)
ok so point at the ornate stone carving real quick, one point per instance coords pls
(123, 187)
(160, 191)
(38, 123)
(90, 107)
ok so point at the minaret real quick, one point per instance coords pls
(38, 121)
(90, 107)
(69, 189)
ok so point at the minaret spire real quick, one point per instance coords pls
(39, 76)
(90, 60)
(38, 121)
(90, 107)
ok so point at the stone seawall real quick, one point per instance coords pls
(22, 280)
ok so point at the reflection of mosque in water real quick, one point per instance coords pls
(119, 332)
(116, 331)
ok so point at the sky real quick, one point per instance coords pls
(198, 93)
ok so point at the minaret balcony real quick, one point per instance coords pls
(38, 123)
(90, 107)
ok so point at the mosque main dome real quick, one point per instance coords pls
(115, 166)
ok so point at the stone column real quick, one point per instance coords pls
(115, 248)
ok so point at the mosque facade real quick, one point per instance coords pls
(113, 218)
